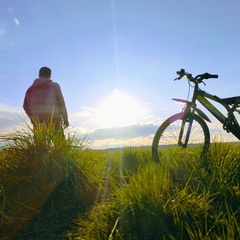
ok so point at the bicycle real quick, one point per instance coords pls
(188, 128)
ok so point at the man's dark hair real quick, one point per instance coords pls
(45, 72)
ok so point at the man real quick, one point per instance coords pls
(44, 102)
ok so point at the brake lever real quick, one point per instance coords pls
(178, 78)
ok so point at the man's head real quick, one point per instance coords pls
(45, 72)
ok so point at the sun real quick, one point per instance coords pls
(119, 109)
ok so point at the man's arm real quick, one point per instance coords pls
(61, 104)
(25, 105)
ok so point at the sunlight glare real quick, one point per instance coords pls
(118, 110)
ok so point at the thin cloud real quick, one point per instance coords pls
(11, 117)
(128, 132)
(16, 21)
(2, 29)
(9, 109)
(10, 10)
(9, 121)
(88, 119)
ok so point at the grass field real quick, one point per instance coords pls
(51, 188)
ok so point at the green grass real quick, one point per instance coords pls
(178, 199)
(54, 188)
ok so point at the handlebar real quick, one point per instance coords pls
(198, 79)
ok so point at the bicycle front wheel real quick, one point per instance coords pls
(181, 131)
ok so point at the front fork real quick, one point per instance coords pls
(186, 119)
(181, 141)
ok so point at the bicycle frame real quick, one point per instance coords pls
(189, 127)
(230, 123)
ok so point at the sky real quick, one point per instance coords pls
(116, 60)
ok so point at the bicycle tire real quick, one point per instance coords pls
(167, 135)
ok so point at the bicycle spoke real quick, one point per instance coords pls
(169, 134)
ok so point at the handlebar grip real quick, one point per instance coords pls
(214, 75)
(208, 75)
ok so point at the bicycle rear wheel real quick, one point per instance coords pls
(172, 134)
